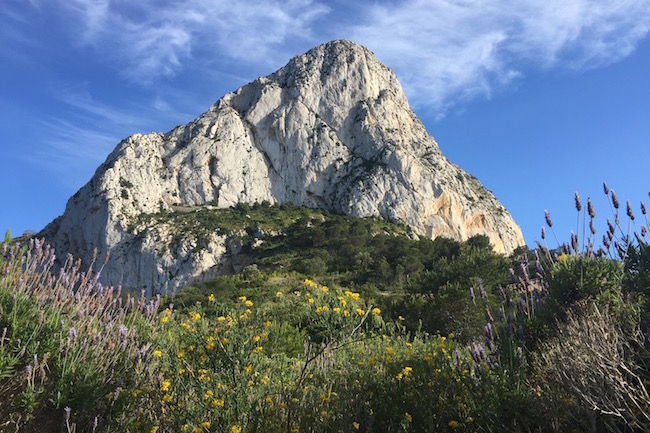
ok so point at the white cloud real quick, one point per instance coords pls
(84, 130)
(450, 50)
(155, 38)
(443, 51)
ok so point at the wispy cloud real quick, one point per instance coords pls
(451, 50)
(84, 131)
(443, 52)
(156, 38)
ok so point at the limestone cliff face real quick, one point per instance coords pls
(332, 129)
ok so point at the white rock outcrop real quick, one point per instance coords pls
(332, 129)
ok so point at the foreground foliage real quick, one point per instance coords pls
(464, 344)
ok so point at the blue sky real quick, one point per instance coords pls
(537, 99)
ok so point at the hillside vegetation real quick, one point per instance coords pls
(336, 324)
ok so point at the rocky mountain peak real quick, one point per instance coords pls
(332, 129)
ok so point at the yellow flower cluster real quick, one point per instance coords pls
(166, 315)
(405, 373)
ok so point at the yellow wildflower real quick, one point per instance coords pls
(218, 402)
(157, 353)
(221, 319)
(337, 310)
(205, 424)
(165, 385)
(324, 289)
(180, 354)
(360, 312)
(376, 311)
(453, 424)
(185, 325)
(406, 372)
(269, 400)
(408, 417)
(248, 369)
(166, 398)
(164, 319)
(235, 429)
(249, 303)
(258, 349)
(278, 294)
(195, 316)
(242, 299)
(154, 429)
(267, 324)
(355, 425)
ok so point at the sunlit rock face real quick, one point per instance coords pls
(332, 129)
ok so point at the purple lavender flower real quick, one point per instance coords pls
(481, 289)
(488, 332)
(67, 413)
(629, 211)
(614, 200)
(547, 216)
